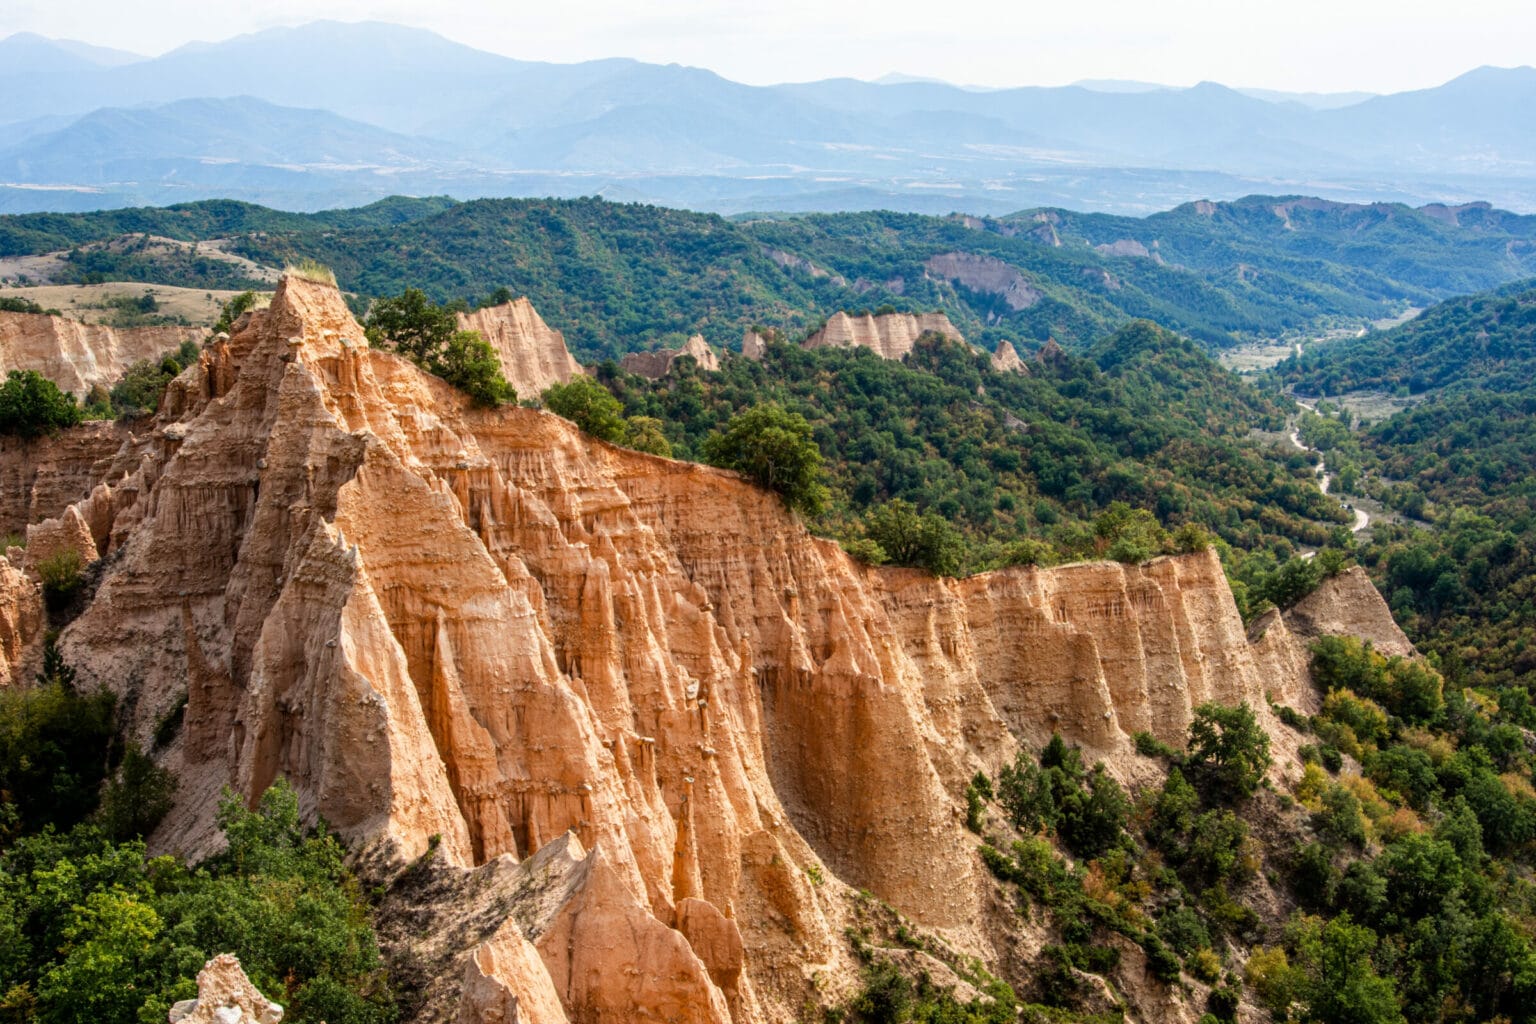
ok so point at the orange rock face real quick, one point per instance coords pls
(891, 335)
(21, 620)
(640, 678)
(76, 356)
(533, 354)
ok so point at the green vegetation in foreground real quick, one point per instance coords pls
(31, 405)
(1464, 459)
(93, 929)
(1398, 892)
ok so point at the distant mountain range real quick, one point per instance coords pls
(331, 113)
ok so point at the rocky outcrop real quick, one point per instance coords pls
(533, 354)
(753, 345)
(629, 702)
(1123, 247)
(985, 274)
(39, 477)
(1345, 605)
(889, 335)
(21, 620)
(658, 364)
(1006, 360)
(76, 356)
(225, 996)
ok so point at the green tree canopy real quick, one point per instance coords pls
(590, 406)
(1228, 747)
(32, 405)
(774, 448)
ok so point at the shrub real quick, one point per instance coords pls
(136, 800)
(468, 362)
(31, 405)
(312, 270)
(233, 310)
(55, 749)
(922, 540)
(62, 574)
(774, 448)
(1228, 748)
(645, 435)
(590, 406)
(427, 334)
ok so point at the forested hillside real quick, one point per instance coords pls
(1144, 419)
(1463, 457)
(622, 277)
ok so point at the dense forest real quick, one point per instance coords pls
(1462, 458)
(1144, 419)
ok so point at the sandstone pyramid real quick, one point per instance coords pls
(890, 335)
(637, 711)
(1006, 359)
(533, 354)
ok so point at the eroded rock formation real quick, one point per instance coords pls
(76, 356)
(225, 996)
(656, 365)
(1006, 359)
(628, 701)
(40, 476)
(533, 354)
(890, 335)
(986, 274)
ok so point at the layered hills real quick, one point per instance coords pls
(468, 123)
(655, 732)
(620, 278)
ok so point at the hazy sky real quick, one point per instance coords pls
(1302, 45)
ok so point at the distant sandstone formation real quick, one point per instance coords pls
(77, 356)
(656, 365)
(1006, 359)
(533, 354)
(985, 274)
(889, 335)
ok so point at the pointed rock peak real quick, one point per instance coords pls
(226, 996)
(1050, 354)
(533, 354)
(314, 312)
(1006, 359)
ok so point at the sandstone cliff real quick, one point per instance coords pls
(985, 274)
(637, 704)
(76, 356)
(533, 354)
(39, 477)
(655, 365)
(753, 345)
(890, 335)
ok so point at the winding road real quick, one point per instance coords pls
(1324, 478)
